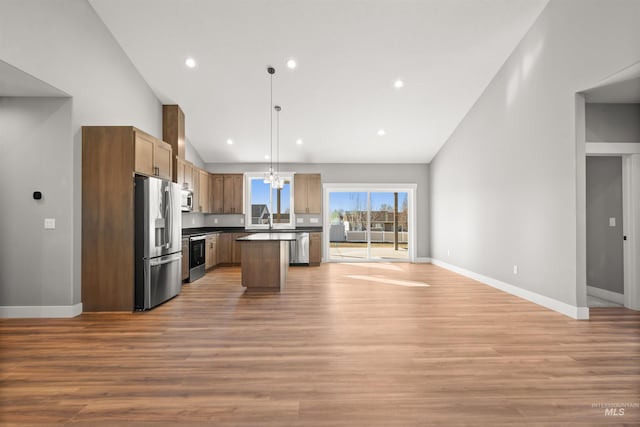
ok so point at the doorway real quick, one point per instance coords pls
(605, 223)
(369, 223)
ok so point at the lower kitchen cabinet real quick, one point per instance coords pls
(185, 259)
(210, 251)
(224, 248)
(315, 248)
(237, 252)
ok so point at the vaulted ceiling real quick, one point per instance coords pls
(349, 54)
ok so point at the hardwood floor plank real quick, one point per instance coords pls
(330, 350)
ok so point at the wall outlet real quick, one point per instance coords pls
(193, 221)
(215, 220)
(515, 269)
(299, 220)
(612, 222)
(314, 220)
(242, 220)
(49, 223)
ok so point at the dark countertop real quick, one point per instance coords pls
(262, 237)
(186, 232)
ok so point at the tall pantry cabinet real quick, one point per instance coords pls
(111, 156)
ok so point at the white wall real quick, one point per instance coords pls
(503, 187)
(66, 45)
(352, 173)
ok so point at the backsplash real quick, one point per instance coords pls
(192, 220)
(197, 220)
(232, 220)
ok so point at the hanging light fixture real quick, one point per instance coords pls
(278, 182)
(270, 177)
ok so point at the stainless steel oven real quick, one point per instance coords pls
(196, 257)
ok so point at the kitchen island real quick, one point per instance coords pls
(265, 260)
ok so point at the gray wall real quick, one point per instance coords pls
(66, 45)
(612, 122)
(504, 186)
(35, 267)
(354, 173)
(604, 243)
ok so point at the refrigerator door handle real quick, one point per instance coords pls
(169, 215)
(165, 260)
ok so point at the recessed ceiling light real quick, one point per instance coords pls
(291, 63)
(299, 141)
(230, 141)
(381, 132)
(266, 157)
(190, 62)
(398, 84)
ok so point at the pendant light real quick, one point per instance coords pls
(270, 177)
(278, 181)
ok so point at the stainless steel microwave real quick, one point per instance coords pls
(186, 201)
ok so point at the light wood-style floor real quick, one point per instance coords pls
(344, 345)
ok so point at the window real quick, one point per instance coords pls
(269, 205)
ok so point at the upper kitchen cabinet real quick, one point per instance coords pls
(307, 193)
(232, 194)
(173, 132)
(227, 192)
(184, 174)
(152, 156)
(216, 189)
(202, 203)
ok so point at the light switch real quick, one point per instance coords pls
(215, 220)
(612, 222)
(49, 223)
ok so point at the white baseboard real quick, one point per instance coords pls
(422, 260)
(30, 311)
(605, 294)
(580, 313)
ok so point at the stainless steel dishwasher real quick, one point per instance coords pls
(299, 250)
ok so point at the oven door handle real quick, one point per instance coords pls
(197, 238)
(165, 260)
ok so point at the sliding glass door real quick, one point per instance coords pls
(368, 225)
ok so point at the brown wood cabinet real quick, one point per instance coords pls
(173, 133)
(232, 194)
(152, 156)
(216, 189)
(227, 193)
(315, 248)
(203, 192)
(228, 250)
(210, 251)
(111, 155)
(184, 174)
(224, 249)
(185, 259)
(236, 257)
(307, 193)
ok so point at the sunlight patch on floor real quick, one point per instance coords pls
(380, 265)
(388, 281)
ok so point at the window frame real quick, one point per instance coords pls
(249, 176)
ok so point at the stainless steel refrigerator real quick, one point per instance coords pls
(158, 248)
